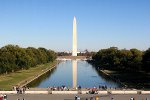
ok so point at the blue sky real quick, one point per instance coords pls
(100, 23)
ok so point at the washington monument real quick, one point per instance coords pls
(74, 48)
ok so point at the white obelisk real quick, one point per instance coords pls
(74, 48)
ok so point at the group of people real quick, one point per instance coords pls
(59, 88)
(103, 87)
(19, 90)
(62, 88)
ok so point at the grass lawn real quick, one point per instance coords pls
(7, 81)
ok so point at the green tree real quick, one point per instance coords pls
(22, 59)
(13, 57)
(7, 58)
(146, 60)
(44, 56)
(107, 58)
(125, 57)
(136, 61)
(112, 58)
(51, 55)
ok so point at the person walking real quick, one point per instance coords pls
(131, 98)
(112, 98)
(97, 98)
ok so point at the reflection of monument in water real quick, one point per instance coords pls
(74, 71)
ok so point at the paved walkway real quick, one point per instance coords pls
(71, 97)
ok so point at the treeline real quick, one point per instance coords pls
(84, 53)
(13, 57)
(131, 60)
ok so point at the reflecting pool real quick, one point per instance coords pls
(72, 73)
